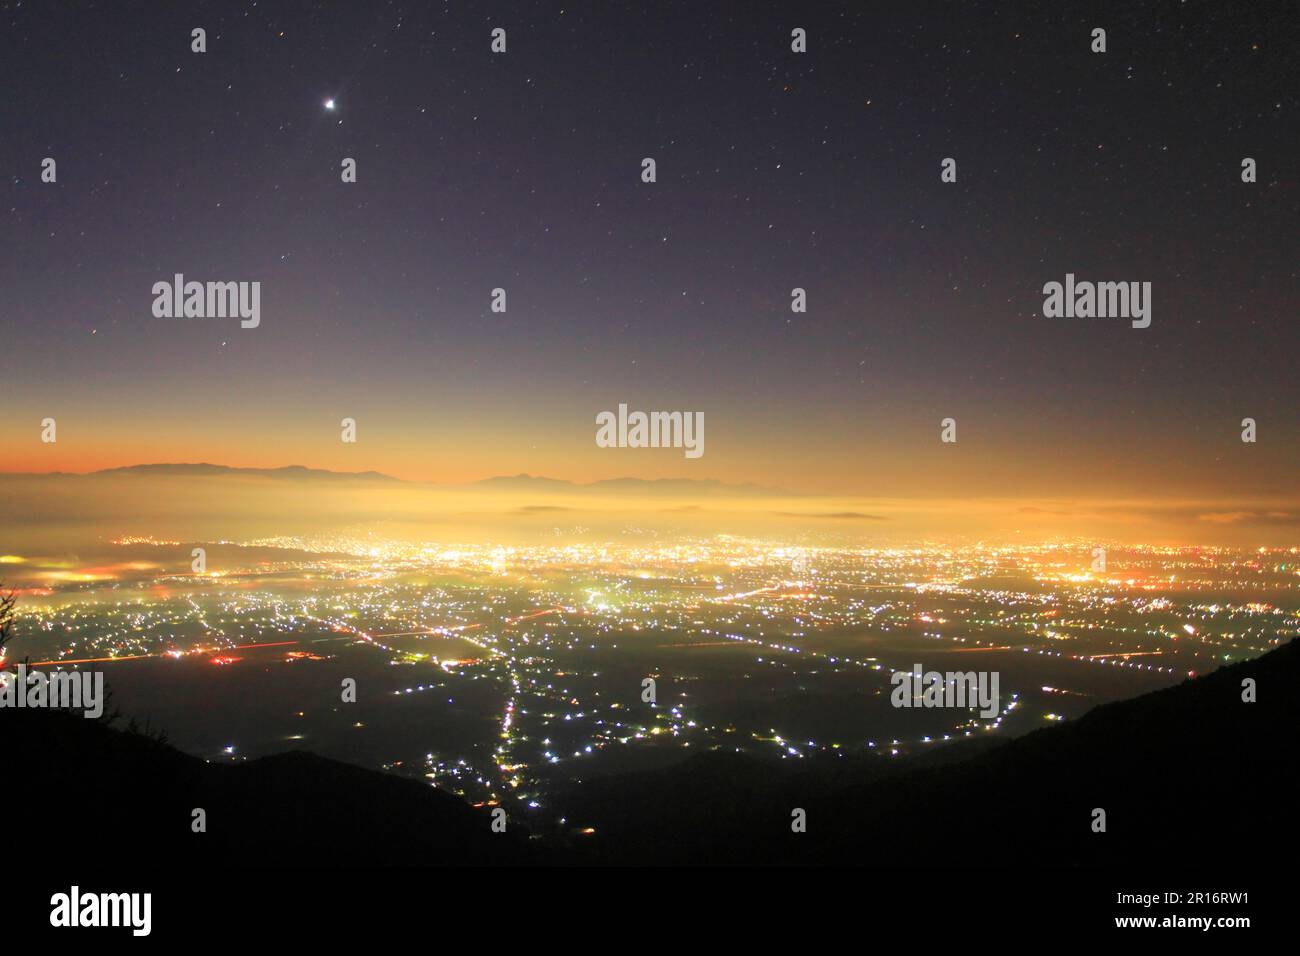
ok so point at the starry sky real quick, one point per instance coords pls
(775, 170)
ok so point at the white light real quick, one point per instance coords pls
(329, 104)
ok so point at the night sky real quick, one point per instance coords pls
(775, 170)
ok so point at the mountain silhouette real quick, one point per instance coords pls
(137, 796)
(639, 486)
(1191, 773)
(204, 469)
(1188, 774)
(521, 482)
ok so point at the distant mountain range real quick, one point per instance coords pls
(288, 471)
(523, 482)
(639, 486)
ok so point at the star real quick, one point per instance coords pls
(329, 104)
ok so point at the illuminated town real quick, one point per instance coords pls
(510, 674)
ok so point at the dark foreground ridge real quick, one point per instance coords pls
(1191, 773)
(134, 796)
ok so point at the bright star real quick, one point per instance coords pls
(329, 104)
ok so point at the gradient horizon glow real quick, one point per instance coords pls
(776, 170)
